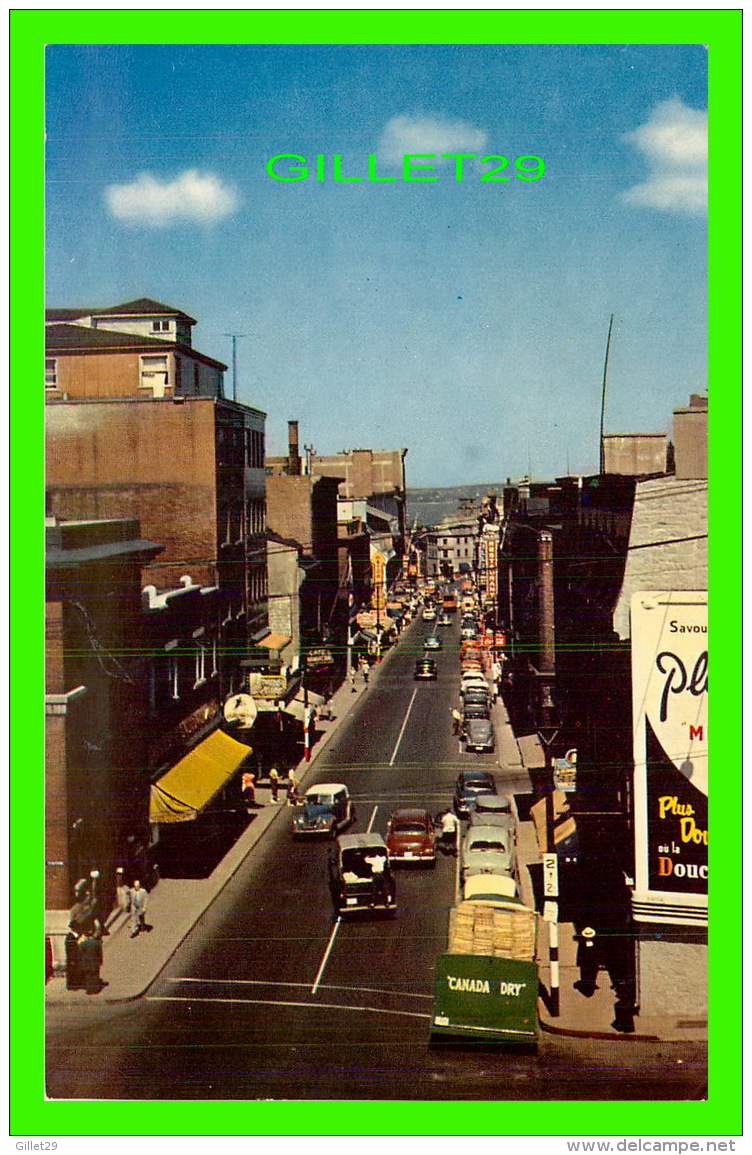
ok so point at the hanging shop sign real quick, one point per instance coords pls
(321, 657)
(670, 713)
(173, 744)
(267, 686)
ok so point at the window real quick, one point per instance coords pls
(154, 375)
(173, 676)
(160, 326)
(50, 373)
(200, 672)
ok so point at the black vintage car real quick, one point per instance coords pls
(360, 875)
(425, 669)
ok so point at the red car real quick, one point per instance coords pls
(410, 837)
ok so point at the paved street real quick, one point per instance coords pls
(270, 997)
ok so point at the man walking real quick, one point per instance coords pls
(139, 903)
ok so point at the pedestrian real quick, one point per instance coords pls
(456, 721)
(139, 903)
(90, 963)
(292, 788)
(365, 670)
(274, 782)
(249, 790)
(122, 891)
(449, 828)
(351, 678)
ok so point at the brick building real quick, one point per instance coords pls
(96, 700)
(127, 437)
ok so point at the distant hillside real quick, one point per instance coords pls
(430, 506)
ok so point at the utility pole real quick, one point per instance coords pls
(234, 337)
(602, 456)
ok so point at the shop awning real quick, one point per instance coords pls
(273, 641)
(183, 792)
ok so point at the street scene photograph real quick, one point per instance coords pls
(376, 571)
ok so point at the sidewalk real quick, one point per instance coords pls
(131, 965)
(588, 1017)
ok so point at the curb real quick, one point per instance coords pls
(303, 768)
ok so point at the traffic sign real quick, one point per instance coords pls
(550, 876)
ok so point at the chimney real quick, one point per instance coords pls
(293, 460)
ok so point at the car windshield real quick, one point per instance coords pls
(479, 785)
(319, 800)
(481, 844)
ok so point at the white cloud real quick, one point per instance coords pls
(674, 143)
(193, 197)
(403, 135)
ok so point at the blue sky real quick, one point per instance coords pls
(464, 320)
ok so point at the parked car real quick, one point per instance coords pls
(474, 682)
(410, 837)
(425, 669)
(473, 709)
(360, 877)
(490, 888)
(471, 783)
(433, 643)
(469, 632)
(493, 810)
(478, 734)
(327, 809)
(487, 850)
(476, 697)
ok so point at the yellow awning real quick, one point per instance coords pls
(183, 792)
(273, 641)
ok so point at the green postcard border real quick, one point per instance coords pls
(31, 1113)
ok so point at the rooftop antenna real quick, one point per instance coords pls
(234, 337)
(602, 457)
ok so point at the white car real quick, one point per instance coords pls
(429, 614)
(474, 682)
(488, 850)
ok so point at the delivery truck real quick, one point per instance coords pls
(486, 984)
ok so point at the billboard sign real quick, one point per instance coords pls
(670, 724)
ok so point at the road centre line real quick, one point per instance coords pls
(335, 928)
(399, 738)
(283, 983)
(285, 1003)
(327, 952)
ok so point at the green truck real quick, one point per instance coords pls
(486, 985)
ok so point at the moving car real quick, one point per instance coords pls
(410, 837)
(360, 877)
(469, 632)
(471, 783)
(487, 850)
(445, 620)
(429, 614)
(478, 734)
(327, 809)
(433, 643)
(425, 669)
